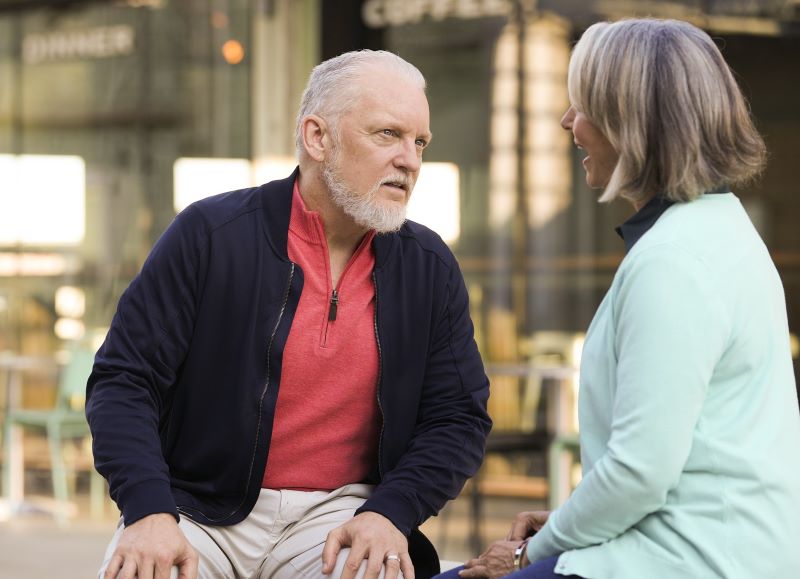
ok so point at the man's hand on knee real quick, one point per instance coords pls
(149, 548)
(371, 538)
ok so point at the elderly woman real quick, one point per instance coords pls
(690, 431)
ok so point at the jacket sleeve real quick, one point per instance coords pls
(670, 331)
(448, 443)
(128, 389)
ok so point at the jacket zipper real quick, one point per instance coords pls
(334, 305)
(260, 402)
(380, 373)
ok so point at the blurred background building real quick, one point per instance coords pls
(115, 114)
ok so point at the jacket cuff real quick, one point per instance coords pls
(394, 506)
(541, 545)
(147, 498)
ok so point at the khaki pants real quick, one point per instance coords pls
(282, 537)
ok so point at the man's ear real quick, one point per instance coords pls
(316, 137)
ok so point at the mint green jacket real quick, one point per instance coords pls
(689, 421)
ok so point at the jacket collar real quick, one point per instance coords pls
(276, 207)
(382, 245)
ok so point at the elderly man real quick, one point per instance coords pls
(290, 386)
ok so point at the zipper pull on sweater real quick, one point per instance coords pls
(334, 306)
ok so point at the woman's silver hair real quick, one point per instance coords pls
(333, 86)
(667, 102)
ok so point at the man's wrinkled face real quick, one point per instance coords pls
(375, 156)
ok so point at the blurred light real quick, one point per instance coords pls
(43, 199)
(198, 178)
(504, 123)
(3, 304)
(32, 264)
(724, 24)
(69, 329)
(219, 19)
(268, 169)
(97, 337)
(548, 159)
(70, 302)
(545, 51)
(233, 52)
(435, 200)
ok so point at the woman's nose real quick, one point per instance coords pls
(566, 120)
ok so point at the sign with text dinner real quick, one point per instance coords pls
(89, 43)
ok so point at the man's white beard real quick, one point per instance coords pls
(367, 210)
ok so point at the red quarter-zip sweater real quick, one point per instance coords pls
(326, 425)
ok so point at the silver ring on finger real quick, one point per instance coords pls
(392, 557)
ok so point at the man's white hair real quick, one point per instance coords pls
(333, 86)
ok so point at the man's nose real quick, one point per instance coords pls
(409, 156)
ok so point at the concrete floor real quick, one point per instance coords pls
(34, 547)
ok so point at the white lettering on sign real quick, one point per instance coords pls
(100, 42)
(381, 13)
(155, 4)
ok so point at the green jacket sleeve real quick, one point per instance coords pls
(669, 331)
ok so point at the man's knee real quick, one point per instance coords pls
(212, 562)
(309, 565)
(342, 563)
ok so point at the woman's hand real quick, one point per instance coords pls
(526, 524)
(496, 561)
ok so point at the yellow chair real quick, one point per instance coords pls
(66, 420)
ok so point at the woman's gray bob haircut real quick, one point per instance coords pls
(667, 102)
(333, 88)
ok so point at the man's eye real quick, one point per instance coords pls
(421, 143)
(388, 132)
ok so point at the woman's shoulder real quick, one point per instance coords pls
(709, 229)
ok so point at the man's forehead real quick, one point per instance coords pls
(386, 80)
(397, 99)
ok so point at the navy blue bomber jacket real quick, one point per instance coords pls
(183, 391)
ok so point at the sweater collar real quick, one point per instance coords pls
(640, 223)
(276, 198)
(308, 225)
(303, 222)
